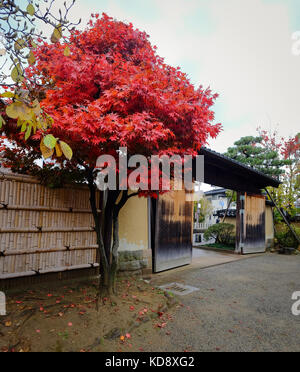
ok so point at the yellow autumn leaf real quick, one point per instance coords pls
(16, 74)
(46, 152)
(25, 112)
(31, 58)
(50, 141)
(58, 150)
(30, 9)
(66, 149)
(57, 34)
(2, 121)
(28, 132)
(34, 126)
(20, 44)
(36, 107)
(42, 123)
(7, 95)
(24, 127)
(67, 51)
(19, 110)
(12, 112)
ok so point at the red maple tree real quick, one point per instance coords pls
(289, 151)
(107, 88)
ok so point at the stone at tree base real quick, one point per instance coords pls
(130, 266)
(135, 261)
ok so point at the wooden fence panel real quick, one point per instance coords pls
(44, 230)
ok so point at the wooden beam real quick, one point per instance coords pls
(66, 249)
(41, 229)
(7, 207)
(217, 176)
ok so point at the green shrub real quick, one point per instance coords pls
(222, 232)
(285, 238)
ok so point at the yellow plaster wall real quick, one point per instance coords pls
(133, 225)
(231, 221)
(269, 223)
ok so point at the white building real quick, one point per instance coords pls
(219, 201)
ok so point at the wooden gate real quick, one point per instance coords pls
(251, 225)
(172, 231)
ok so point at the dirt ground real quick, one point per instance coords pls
(66, 318)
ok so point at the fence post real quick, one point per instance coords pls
(2, 304)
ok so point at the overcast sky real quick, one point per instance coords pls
(241, 49)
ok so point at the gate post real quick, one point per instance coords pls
(240, 215)
(2, 304)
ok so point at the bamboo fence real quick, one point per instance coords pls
(44, 230)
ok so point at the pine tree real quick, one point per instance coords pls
(250, 151)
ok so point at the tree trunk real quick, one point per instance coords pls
(104, 288)
(228, 206)
(115, 248)
(107, 230)
(116, 241)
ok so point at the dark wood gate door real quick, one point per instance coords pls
(173, 231)
(251, 225)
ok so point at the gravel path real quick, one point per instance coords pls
(241, 306)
